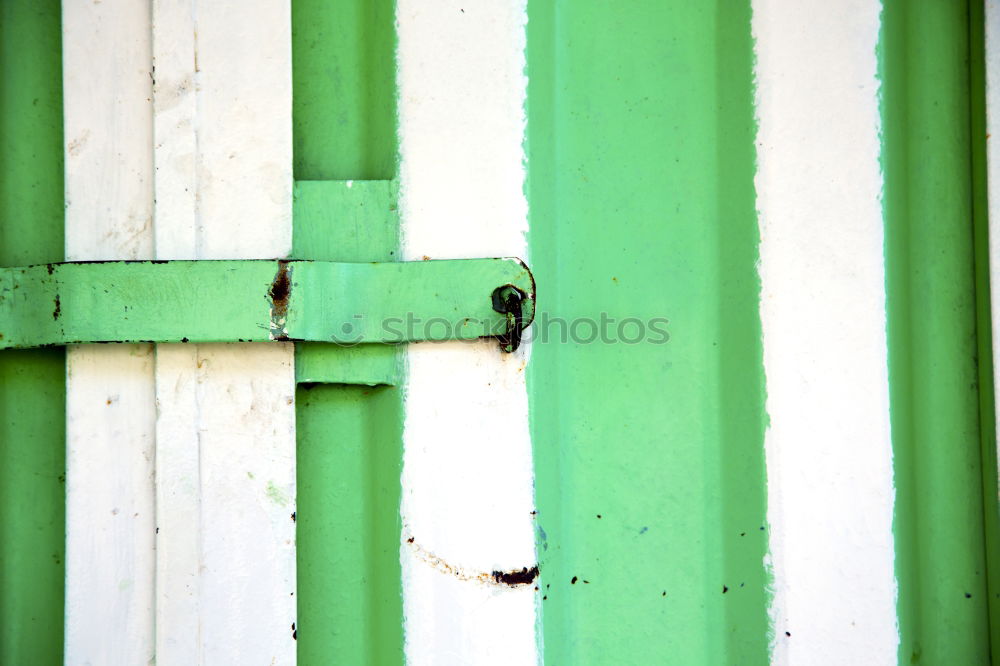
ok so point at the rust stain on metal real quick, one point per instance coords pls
(512, 578)
(525, 576)
(279, 293)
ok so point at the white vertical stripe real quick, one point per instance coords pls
(110, 407)
(462, 91)
(178, 464)
(829, 456)
(993, 178)
(225, 428)
(224, 562)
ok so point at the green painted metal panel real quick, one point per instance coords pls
(257, 300)
(349, 456)
(928, 150)
(648, 457)
(984, 324)
(344, 89)
(360, 215)
(32, 382)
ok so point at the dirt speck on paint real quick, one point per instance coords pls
(58, 309)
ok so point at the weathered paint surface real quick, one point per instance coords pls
(110, 409)
(829, 455)
(648, 457)
(927, 157)
(467, 479)
(225, 454)
(32, 383)
(199, 522)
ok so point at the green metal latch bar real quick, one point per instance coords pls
(264, 300)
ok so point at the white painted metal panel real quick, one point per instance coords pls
(221, 583)
(107, 92)
(462, 93)
(828, 448)
(178, 460)
(226, 423)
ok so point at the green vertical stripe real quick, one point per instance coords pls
(32, 383)
(350, 609)
(934, 380)
(349, 454)
(984, 324)
(344, 89)
(648, 457)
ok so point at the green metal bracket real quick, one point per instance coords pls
(265, 300)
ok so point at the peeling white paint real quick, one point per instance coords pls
(467, 477)
(828, 448)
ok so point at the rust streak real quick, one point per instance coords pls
(512, 578)
(281, 288)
